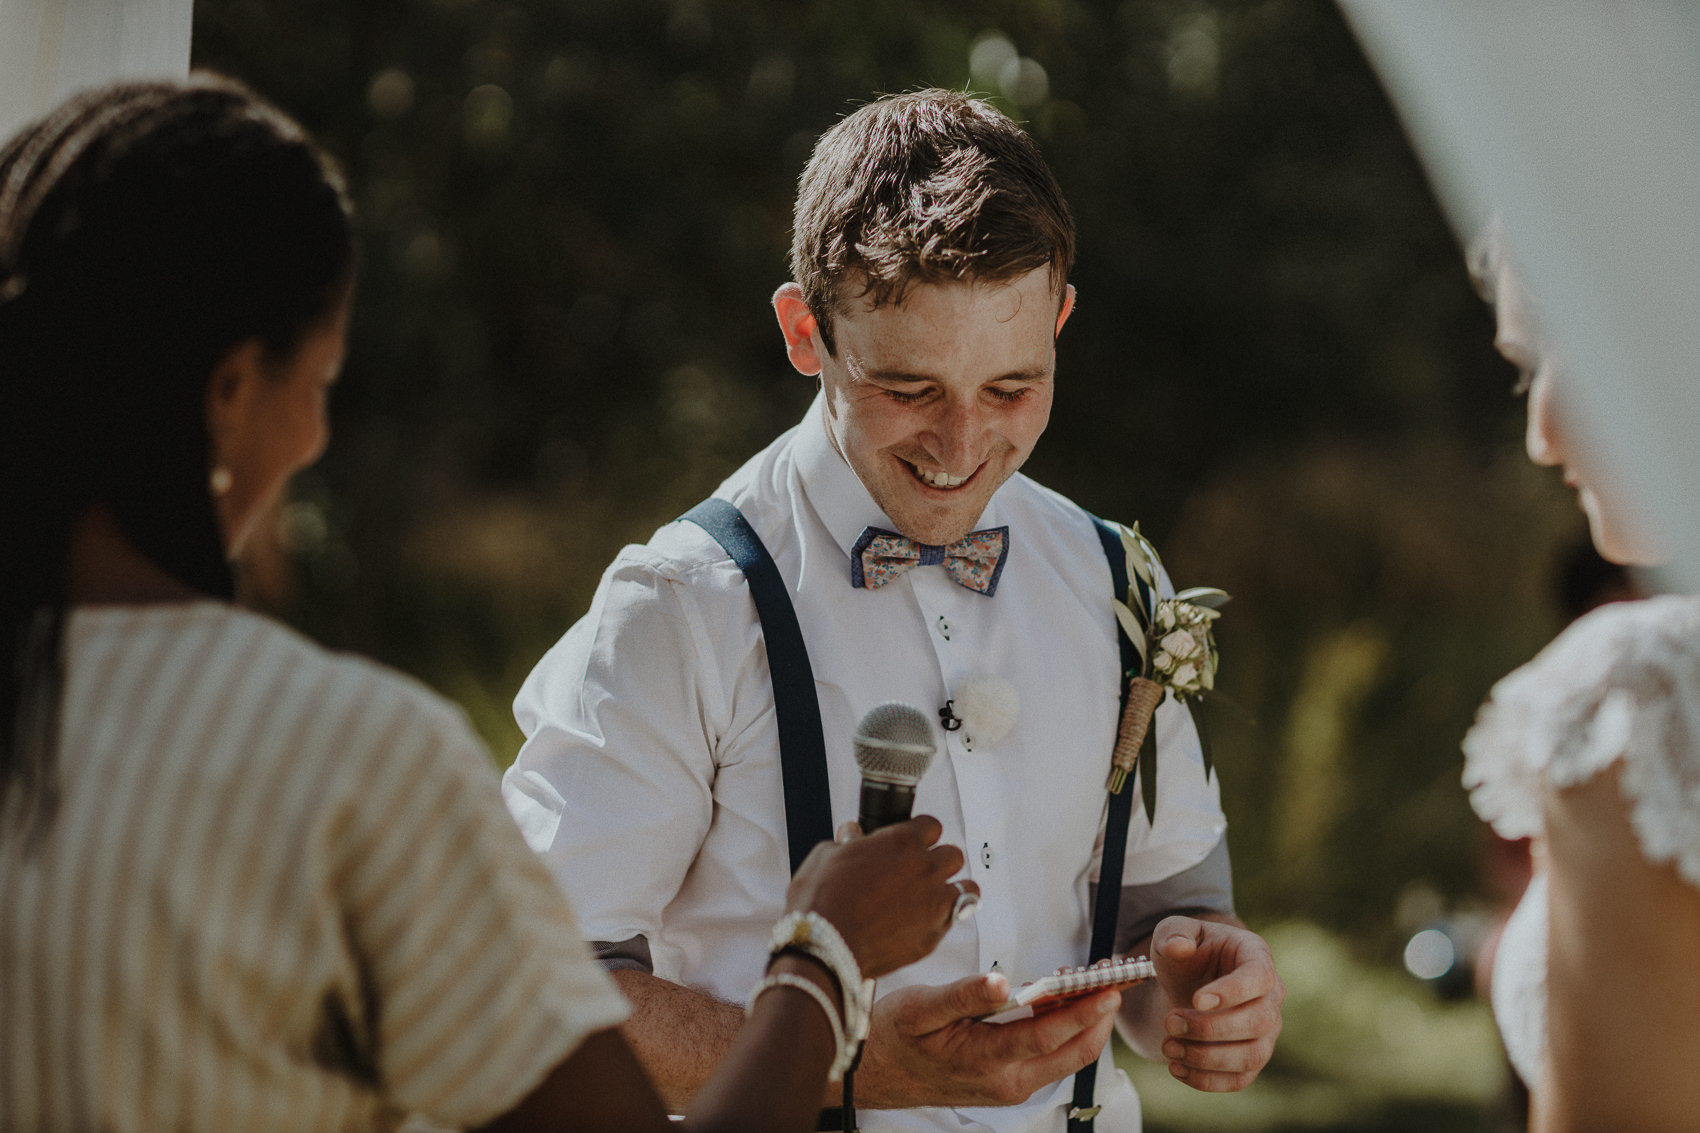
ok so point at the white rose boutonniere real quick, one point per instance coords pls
(1185, 660)
(1176, 648)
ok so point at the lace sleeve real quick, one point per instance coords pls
(1622, 683)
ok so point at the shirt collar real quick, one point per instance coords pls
(835, 491)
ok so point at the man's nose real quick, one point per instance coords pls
(956, 436)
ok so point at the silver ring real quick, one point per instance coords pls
(967, 902)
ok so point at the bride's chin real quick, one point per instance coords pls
(1617, 541)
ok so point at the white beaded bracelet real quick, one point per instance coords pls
(813, 934)
(840, 1059)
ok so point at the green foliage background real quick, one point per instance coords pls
(574, 215)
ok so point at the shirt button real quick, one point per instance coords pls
(943, 627)
(986, 854)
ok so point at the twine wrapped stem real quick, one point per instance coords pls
(1143, 696)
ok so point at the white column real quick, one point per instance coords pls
(51, 49)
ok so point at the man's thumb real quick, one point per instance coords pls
(1177, 939)
(967, 998)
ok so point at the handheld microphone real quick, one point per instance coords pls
(894, 745)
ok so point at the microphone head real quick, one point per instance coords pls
(894, 743)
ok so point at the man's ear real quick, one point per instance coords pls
(1067, 306)
(797, 324)
(230, 390)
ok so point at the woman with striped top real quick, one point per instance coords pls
(246, 883)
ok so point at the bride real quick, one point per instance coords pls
(1593, 749)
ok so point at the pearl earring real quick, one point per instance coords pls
(219, 480)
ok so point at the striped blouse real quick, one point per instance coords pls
(280, 891)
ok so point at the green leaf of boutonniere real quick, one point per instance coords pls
(1141, 555)
(1207, 597)
(1135, 633)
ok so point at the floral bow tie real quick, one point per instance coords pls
(974, 561)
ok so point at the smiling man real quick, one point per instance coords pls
(931, 258)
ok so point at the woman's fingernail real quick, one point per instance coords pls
(1175, 1025)
(1178, 1070)
(1209, 1001)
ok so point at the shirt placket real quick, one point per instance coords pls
(956, 620)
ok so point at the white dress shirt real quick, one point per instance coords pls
(650, 780)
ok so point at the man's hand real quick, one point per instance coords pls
(1222, 1008)
(927, 1049)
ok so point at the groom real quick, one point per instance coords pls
(931, 257)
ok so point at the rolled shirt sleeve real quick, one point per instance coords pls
(625, 721)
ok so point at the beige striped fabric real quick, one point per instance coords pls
(280, 892)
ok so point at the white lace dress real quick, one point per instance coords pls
(1623, 684)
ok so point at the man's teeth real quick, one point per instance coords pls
(940, 479)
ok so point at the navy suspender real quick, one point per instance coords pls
(802, 747)
(1082, 1110)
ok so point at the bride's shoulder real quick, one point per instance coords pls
(1650, 648)
(1629, 638)
(1622, 683)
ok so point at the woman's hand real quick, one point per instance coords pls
(887, 893)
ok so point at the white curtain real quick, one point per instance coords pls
(1578, 122)
(50, 49)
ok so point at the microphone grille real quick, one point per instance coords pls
(894, 743)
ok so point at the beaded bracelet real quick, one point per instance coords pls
(840, 1059)
(814, 935)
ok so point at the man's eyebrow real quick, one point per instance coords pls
(861, 373)
(904, 377)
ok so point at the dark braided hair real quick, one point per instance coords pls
(146, 229)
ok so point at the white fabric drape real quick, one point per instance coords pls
(1578, 121)
(51, 49)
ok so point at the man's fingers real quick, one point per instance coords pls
(1221, 1051)
(1044, 1035)
(1076, 1052)
(928, 1009)
(1212, 1081)
(1249, 981)
(1252, 1020)
(1229, 1058)
(1054, 1029)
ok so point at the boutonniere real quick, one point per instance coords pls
(1175, 645)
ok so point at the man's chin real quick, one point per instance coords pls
(936, 531)
(931, 516)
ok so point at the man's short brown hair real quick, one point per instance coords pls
(924, 187)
